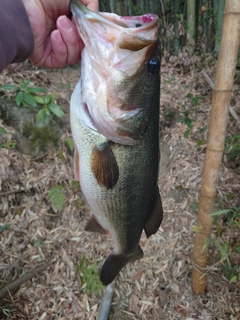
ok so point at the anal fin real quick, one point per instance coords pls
(114, 263)
(104, 165)
(155, 216)
(93, 225)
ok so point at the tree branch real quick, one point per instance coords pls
(13, 286)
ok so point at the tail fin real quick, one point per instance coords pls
(114, 263)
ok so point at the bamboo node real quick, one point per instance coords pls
(201, 270)
(215, 150)
(227, 90)
(230, 12)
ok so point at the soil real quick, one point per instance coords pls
(33, 231)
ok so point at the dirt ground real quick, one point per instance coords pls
(33, 233)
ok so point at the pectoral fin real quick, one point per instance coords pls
(114, 263)
(94, 226)
(104, 166)
(154, 217)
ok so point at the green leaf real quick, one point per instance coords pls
(41, 117)
(47, 111)
(218, 213)
(36, 89)
(90, 277)
(196, 229)
(19, 98)
(2, 130)
(233, 279)
(24, 84)
(186, 133)
(195, 101)
(48, 99)
(56, 197)
(29, 99)
(5, 227)
(206, 242)
(39, 99)
(9, 86)
(56, 109)
(11, 144)
(75, 185)
(70, 143)
(203, 129)
(194, 206)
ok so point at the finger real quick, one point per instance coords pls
(91, 4)
(71, 39)
(55, 55)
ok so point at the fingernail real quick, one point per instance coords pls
(65, 23)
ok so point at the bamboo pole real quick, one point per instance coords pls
(191, 14)
(217, 128)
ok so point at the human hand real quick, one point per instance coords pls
(56, 40)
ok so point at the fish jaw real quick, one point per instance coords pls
(115, 50)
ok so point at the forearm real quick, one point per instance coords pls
(16, 37)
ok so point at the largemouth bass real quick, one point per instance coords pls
(114, 117)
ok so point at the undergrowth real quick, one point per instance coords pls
(227, 241)
(90, 277)
(27, 96)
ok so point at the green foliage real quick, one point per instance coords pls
(225, 244)
(70, 143)
(194, 101)
(232, 146)
(194, 206)
(75, 185)
(28, 96)
(40, 138)
(78, 203)
(187, 120)
(2, 130)
(90, 277)
(170, 80)
(9, 144)
(57, 197)
(5, 227)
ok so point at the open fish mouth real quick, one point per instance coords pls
(117, 49)
(114, 21)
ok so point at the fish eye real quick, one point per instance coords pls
(154, 65)
(137, 25)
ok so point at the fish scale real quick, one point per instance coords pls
(118, 172)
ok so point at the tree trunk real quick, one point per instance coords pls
(218, 122)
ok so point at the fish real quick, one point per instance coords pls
(114, 117)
